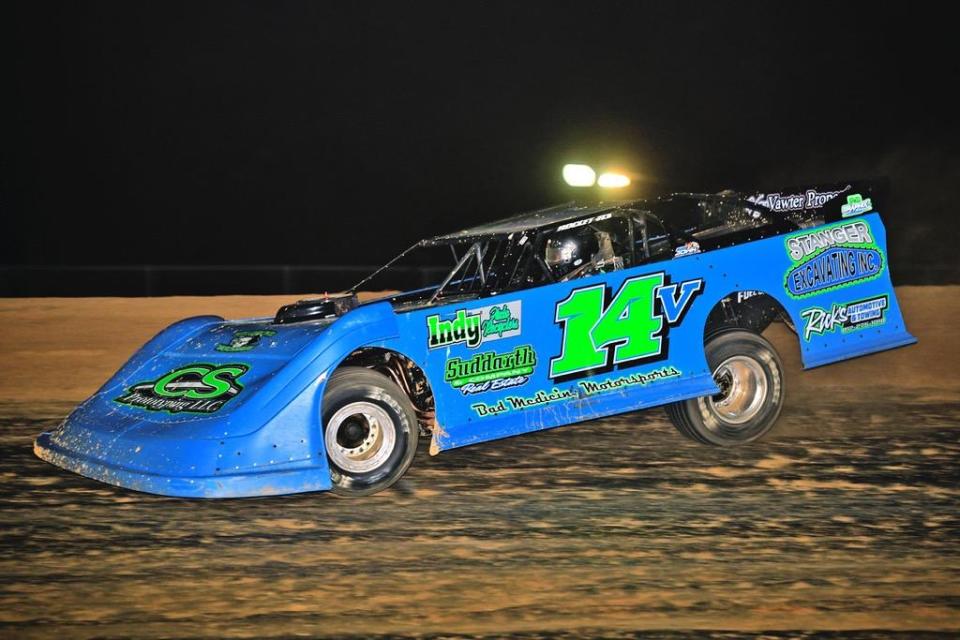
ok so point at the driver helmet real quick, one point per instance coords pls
(567, 251)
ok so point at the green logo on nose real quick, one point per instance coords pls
(195, 388)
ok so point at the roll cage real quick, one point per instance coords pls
(508, 255)
(503, 258)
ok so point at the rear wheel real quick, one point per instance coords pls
(750, 375)
(370, 431)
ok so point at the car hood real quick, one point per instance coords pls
(203, 375)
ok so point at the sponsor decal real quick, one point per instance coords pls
(501, 321)
(831, 257)
(687, 250)
(746, 295)
(491, 371)
(589, 388)
(809, 243)
(244, 340)
(516, 403)
(585, 221)
(602, 331)
(473, 327)
(809, 199)
(586, 388)
(856, 204)
(847, 317)
(195, 388)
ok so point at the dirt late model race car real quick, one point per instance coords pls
(545, 319)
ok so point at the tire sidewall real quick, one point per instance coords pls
(403, 421)
(719, 348)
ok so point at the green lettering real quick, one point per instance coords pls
(218, 386)
(160, 387)
(628, 324)
(579, 313)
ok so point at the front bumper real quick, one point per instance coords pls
(181, 468)
(242, 485)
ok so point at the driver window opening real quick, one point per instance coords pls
(651, 240)
(583, 250)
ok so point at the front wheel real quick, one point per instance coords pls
(750, 375)
(370, 431)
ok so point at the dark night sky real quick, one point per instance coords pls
(325, 133)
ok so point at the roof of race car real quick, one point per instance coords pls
(526, 221)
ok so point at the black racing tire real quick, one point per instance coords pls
(750, 374)
(370, 431)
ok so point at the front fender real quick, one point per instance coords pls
(176, 332)
(307, 373)
(271, 444)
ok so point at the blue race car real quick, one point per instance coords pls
(544, 319)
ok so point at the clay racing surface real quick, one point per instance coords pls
(843, 523)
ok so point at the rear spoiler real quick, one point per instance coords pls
(828, 202)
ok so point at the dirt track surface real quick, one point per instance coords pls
(843, 523)
(80, 342)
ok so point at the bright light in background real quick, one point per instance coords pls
(583, 175)
(611, 180)
(579, 175)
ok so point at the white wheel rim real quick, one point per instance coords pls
(360, 437)
(743, 388)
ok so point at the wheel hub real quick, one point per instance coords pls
(743, 388)
(360, 437)
(352, 432)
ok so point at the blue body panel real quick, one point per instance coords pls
(262, 436)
